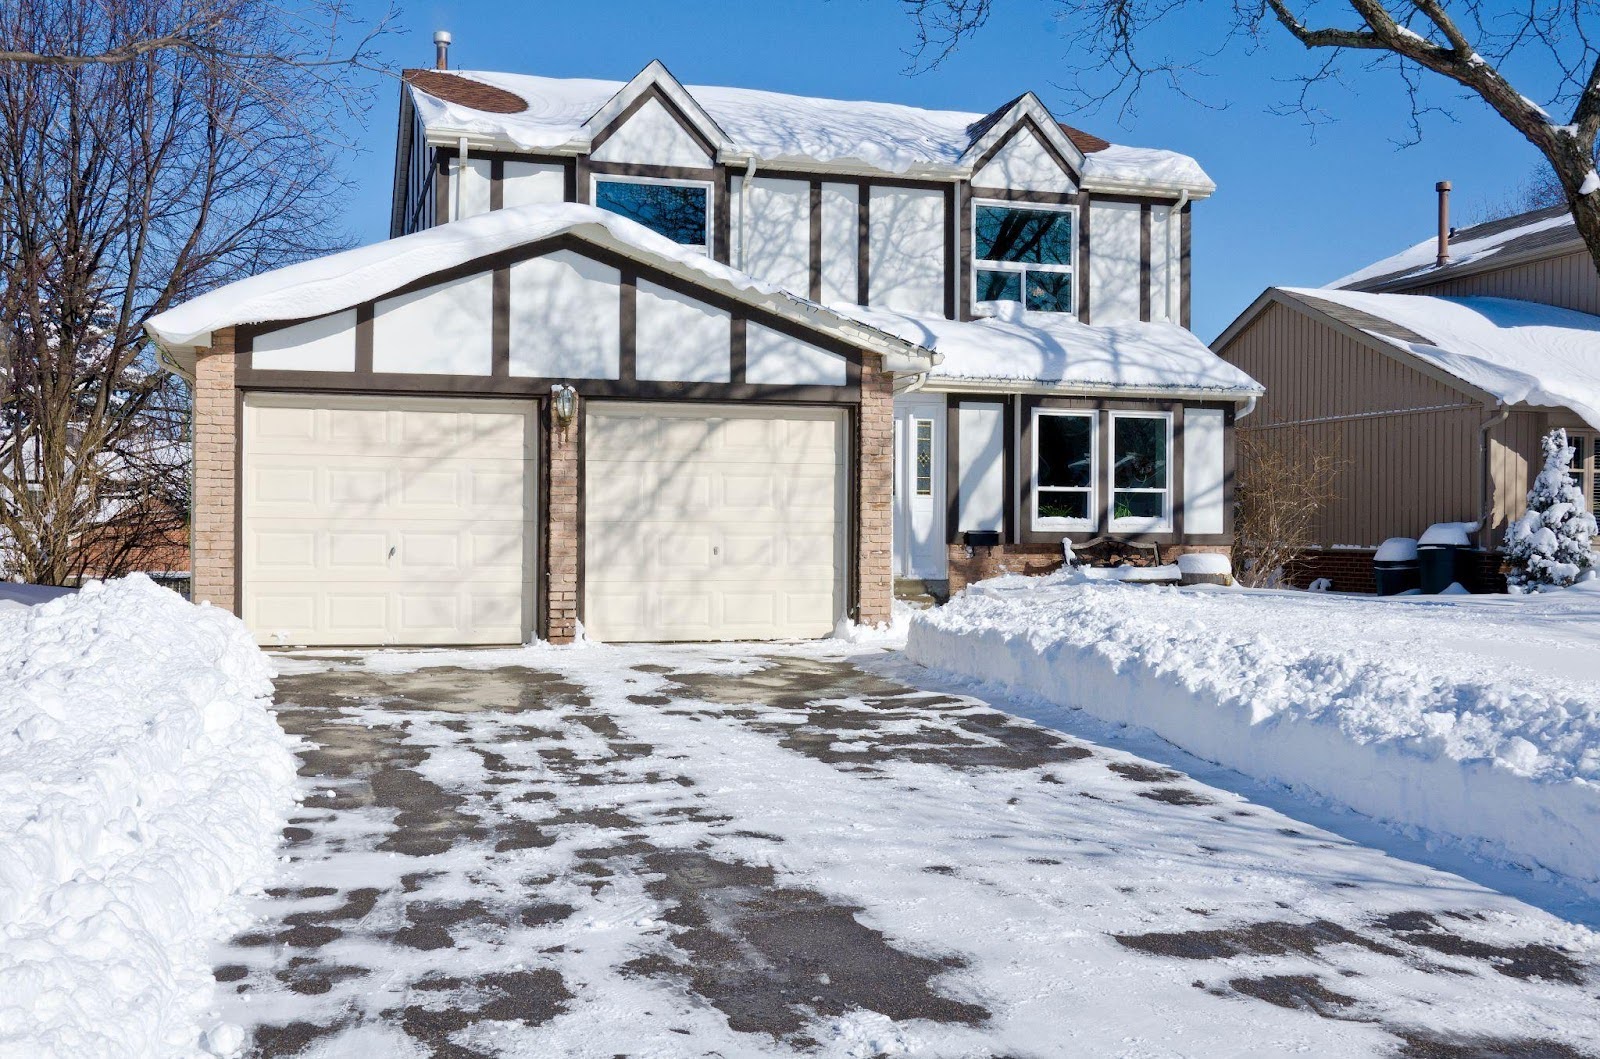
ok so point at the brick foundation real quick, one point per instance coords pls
(562, 537)
(1350, 570)
(213, 542)
(1035, 559)
(875, 495)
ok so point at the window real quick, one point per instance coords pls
(924, 456)
(1141, 488)
(1586, 466)
(1023, 255)
(681, 212)
(1063, 470)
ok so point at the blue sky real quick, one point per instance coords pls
(1290, 209)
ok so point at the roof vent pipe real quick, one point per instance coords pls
(441, 49)
(1443, 188)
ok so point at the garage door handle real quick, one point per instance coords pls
(391, 552)
(716, 551)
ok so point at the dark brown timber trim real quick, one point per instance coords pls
(1082, 266)
(544, 418)
(1012, 459)
(628, 303)
(1144, 263)
(738, 351)
(952, 270)
(580, 180)
(442, 159)
(722, 218)
(1183, 290)
(815, 239)
(1043, 198)
(863, 244)
(968, 250)
(408, 385)
(497, 184)
(952, 469)
(660, 172)
(580, 423)
(239, 441)
(364, 315)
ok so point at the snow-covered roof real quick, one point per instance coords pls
(1518, 352)
(336, 282)
(1026, 350)
(1471, 249)
(775, 127)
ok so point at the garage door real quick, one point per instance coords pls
(713, 523)
(387, 520)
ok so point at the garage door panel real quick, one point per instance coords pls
(712, 523)
(387, 520)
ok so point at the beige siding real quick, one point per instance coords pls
(1408, 441)
(1513, 463)
(1569, 280)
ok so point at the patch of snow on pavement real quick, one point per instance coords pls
(143, 785)
(1447, 714)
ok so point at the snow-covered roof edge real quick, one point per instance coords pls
(339, 281)
(1545, 232)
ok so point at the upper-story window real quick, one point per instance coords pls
(679, 211)
(1023, 255)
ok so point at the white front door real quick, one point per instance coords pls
(919, 487)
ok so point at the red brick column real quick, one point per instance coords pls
(213, 547)
(561, 531)
(874, 532)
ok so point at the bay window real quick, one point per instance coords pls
(1023, 255)
(1141, 477)
(679, 211)
(1064, 470)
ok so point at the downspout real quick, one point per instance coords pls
(1175, 262)
(918, 381)
(1249, 406)
(744, 203)
(461, 174)
(1486, 480)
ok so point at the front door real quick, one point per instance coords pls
(919, 487)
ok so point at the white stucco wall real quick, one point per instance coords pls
(327, 343)
(982, 469)
(906, 249)
(443, 330)
(476, 180)
(774, 358)
(1204, 468)
(841, 242)
(565, 319)
(527, 183)
(1113, 262)
(1024, 164)
(652, 137)
(777, 233)
(679, 339)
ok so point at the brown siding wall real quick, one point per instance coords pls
(1569, 281)
(1408, 441)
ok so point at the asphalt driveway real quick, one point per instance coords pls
(814, 850)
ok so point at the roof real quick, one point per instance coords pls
(773, 127)
(1032, 350)
(1516, 352)
(339, 281)
(1543, 232)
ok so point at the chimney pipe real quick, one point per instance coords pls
(441, 48)
(1443, 188)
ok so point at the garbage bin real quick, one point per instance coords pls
(1440, 565)
(1394, 566)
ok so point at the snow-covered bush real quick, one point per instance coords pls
(143, 785)
(1548, 547)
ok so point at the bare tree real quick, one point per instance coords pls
(1285, 482)
(1471, 47)
(125, 187)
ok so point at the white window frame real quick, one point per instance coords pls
(987, 308)
(917, 423)
(1588, 468)
(1140, 524)
(1072, 525)
(596, 179)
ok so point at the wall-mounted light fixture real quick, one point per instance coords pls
(563, 404)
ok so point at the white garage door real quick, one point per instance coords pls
(713, 523)
(387, 520)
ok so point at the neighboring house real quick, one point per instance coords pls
(1433, 381)
(805, 370)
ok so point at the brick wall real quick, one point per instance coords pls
(1350, 570)
(875, 533)
(216, 438)
(1035, 559)
(562, 544)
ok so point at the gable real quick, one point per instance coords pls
(1023, 163)
(651, 135)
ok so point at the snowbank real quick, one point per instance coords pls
(143, 785)
(1476, 717)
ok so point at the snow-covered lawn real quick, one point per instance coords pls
(826, 850)
(143, 786)
(1472, 717)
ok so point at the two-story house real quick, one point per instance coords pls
(1433, 373)
(667, 362)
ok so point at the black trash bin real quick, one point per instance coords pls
(1441, 566)
(1395, 566)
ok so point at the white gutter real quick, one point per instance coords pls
(744, 204)
(1249, 406)
(912, 383)
(949, 384)
(1175, 257)
(461, 174)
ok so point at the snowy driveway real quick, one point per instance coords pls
(725, 851)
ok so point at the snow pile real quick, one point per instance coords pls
(143, 785)
(1205, 564)
(1057, 348)
(1441, 534)
(1459, 717)
(1548, 547)
(1396, 550)
(1517, 351)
